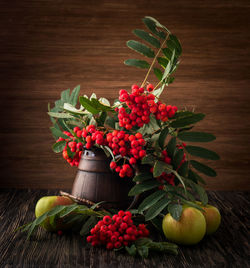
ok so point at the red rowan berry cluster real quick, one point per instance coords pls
(117, 231)
(130, 146)
(75, 147)
(165, 111)
(83, 137)
(139, 110)
(92, 136)
(141, 104)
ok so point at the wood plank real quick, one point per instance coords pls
(228, 247)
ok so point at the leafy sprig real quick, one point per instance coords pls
(143, 246)
(71, 214)
(165, 50)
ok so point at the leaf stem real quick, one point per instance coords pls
(153, 62)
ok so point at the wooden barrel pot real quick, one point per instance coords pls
(95, 181)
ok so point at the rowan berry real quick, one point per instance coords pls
(88, 145)
(132, 161)
(150, 87)
(113, 165)
(76, 129)
(110, 246)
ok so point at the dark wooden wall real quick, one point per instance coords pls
(48, 46)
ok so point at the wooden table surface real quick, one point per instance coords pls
(228, 247)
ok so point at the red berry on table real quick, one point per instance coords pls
(59, 232)
(118, 244)
(110, 246)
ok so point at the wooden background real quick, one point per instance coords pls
(48, 46)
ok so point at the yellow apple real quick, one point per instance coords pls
(212, 216)
(45, 204)
(190, 228)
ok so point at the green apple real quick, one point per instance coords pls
(190, 228)
(45, 204)
(212, 217)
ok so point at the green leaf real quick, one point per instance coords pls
(158, 91)
(147, 37)
(141, 48)
(67, 210)
(142, 187)
(59, 146)
(163, 62)
(203, 168)
(169, 66)
(151, 200)
(143, 241)
(181, 114)
(199, 190)
(60, 115)
(31, 229)
(183, 169)
(192, 204)
(93, 96)
(101, 107)
(143, 251)
(148, 159)
(70, 108)
(131, 250)
(175, 211)
(110, 151)
(104, 101)
(167, 53)
(156, 209)
(178, 156)
(88, 225)
(70, 154)
(171, 147)
(151, 23)
(137, 63)
(202, 152)
(88, 105)
(59, 104)
(101, 118)
(182, 122)
(163, 247)
(163, 137)
(160, 167)
(58, 133)
(41, 219)
(110, 121)
(195, 136)
(74, 95)
(142, 177)
(65, 95)
(174, 44)
(195, 177)
(55, 210)
(158, 73)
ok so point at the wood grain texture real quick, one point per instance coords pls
(228, 247)
(47, 46)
